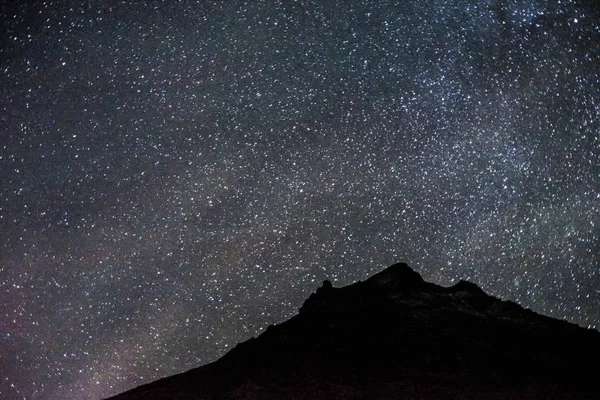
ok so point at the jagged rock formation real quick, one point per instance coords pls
(396, 336)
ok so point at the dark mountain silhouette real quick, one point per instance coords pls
(396, 336)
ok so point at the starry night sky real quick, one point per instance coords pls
(177, 175)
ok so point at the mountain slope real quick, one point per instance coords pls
(397, 336)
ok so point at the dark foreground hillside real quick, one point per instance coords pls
(396, 336)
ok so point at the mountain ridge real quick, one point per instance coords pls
(397, 336)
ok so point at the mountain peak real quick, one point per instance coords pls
(398, 277)
(397, 336)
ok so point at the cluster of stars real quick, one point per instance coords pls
(176, 176)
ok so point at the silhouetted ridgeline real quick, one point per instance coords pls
(396, 336)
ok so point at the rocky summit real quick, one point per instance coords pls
(396, 336)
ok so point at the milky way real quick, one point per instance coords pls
(175, 176)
